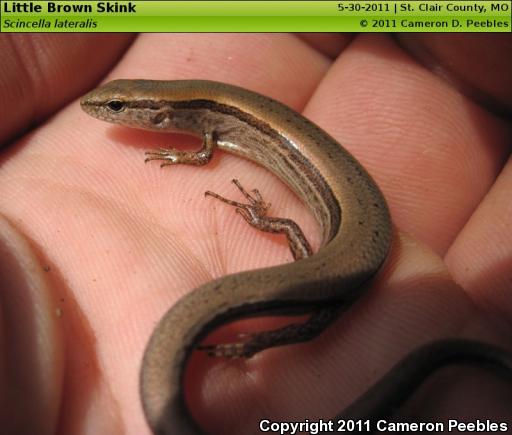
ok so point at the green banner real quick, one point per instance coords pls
(255, 16)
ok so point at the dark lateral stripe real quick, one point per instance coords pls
(305, 166)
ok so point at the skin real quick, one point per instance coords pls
(134, 229)
(350, 210)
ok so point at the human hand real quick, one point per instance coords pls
(123, 241)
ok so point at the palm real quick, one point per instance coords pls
(125, 240)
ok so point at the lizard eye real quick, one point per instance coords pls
(116, 105)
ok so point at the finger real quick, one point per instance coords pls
(292, 68)
(478, 65)
(434, 152)
(47, 71)
(31, 339)
(480, 259)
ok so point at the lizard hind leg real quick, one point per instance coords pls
(255, 214)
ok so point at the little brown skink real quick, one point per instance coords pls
(346, 202)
